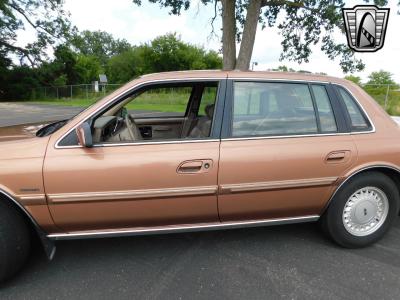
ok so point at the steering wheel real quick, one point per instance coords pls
(132, 127)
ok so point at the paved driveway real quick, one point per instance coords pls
(14, 113)
(288, 262)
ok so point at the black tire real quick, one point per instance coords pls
(332, 221)
(15, 241)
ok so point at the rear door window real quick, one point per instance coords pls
(324, 108)
(272, 109)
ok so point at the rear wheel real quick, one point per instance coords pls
(362, 210)
(15, 241)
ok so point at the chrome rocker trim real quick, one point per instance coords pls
(180, 228)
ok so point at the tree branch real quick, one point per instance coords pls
(22, 51)
(287, 3)
(214, 18)
(36, 26)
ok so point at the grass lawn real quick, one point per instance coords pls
(160, 101)
(393, 103)
(132, 106)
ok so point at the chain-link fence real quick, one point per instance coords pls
(76, 91)
(387, 95)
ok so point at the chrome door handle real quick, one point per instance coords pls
(338, 156)
(195, 166)
(190, 167)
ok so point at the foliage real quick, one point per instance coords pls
(125, 66)
(122, 63)
(283, 68)
(381, 77)
(19, 83)
(169, 53)
(306, 24)
(353, 78)
(46, 18)
(164, 53)
(88, 68)
(99, 44)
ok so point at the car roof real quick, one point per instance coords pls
(244, 74)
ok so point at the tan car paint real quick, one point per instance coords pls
(21, 163)
(136, 185)
(139, 186)
(298, 163)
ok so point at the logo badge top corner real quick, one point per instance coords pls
(365, 27)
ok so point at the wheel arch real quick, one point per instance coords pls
(47, 244)
(391, 171)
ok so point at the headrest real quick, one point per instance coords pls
(209, 110)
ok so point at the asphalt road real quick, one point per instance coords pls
(281, 262)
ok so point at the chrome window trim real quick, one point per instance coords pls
(181, 228)
(57, 146)
(292, 136)
(373, 128)
(143, 143)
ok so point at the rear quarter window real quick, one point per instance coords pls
(357, 118)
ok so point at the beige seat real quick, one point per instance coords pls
(203, 124)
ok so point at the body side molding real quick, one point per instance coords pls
(275, 185)
(129, 195)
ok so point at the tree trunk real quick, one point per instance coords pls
(228, 34)
(249, 35)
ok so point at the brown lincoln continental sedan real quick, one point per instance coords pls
(203, 150)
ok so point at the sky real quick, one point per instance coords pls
(141, 24)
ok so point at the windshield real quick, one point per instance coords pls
(53, 127)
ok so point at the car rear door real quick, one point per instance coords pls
(135, 184)
(284, 148)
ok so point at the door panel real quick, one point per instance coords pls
(160, 128)
(131, 185)
(280, 177)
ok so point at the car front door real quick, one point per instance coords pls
(135, 184)
(284, 149)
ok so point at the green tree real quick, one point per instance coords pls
(69, 67)
(164, 53)
(47, 18)
(88, 68)
(170, 53)
(306, 23)
(284, 68)
(19, 83)
(126, 65)
(353, 78)
(212, 60)
(100, 44)
(65, 63)
(381, 77)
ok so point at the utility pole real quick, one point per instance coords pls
(387, 96)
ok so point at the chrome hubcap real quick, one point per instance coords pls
(365, 211)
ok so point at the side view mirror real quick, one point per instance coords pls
(84, 134)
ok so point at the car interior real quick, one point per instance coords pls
(277, 109)
(159, 112)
